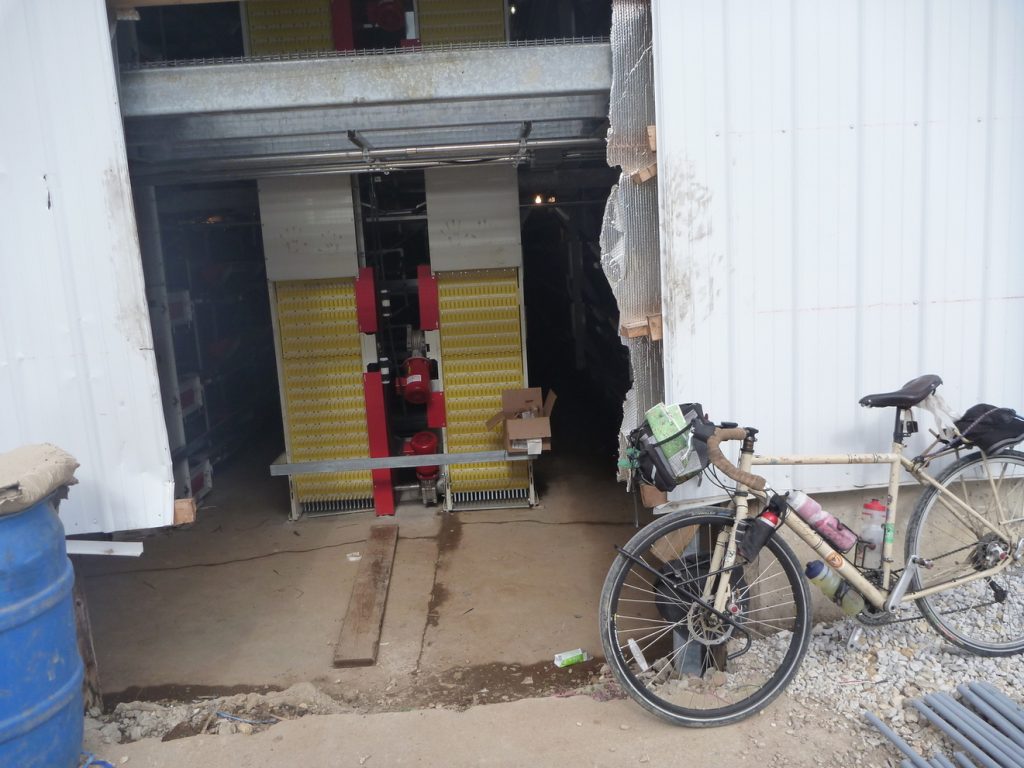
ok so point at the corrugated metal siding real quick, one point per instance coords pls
(841, 189)
(76, 352)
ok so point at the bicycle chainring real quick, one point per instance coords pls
(873, 617)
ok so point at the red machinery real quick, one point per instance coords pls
(423, 444)
(414, 383)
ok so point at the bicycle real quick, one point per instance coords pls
(701, 636)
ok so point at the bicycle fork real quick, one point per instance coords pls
(724, 555)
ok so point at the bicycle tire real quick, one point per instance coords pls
(958, 546)
(626, 669)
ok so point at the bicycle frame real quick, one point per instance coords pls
(725, 551)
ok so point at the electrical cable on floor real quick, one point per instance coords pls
(219, 563)
(224, 562)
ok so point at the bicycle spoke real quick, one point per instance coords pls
(692, 661)
(969, 613)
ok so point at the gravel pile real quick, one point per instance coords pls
(241, 713)
(882, 670)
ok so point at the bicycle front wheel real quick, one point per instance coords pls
(986, 615)
(676, 656)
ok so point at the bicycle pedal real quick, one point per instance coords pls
(853, 642)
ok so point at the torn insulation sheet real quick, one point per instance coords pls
(629, 232)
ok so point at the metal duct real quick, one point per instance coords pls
(629, 233)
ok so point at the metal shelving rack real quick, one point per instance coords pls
(209, 302)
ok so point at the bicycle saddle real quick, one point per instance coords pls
(907, 396)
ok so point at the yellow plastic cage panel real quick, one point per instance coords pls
(288, 26)
(322, 370)
(317, 318)
(481, 355)
(461, 21)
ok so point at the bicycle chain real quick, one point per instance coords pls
(921, 616)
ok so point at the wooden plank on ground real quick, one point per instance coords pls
(360, 633)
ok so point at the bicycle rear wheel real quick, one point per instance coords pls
(984, 616)
(681, 661)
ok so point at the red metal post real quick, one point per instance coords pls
(380, 441)
(436, 415)
(426, 283)
(342, 25)
(366, 301)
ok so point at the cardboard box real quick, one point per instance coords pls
(525, 417)
(651, 497)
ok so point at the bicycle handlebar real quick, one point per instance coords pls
(716, 457)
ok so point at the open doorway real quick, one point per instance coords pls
(572, 323)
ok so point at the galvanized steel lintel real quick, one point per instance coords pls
(281, 468)
(399, 78)
(394, 101)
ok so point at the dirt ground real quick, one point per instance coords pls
(576, 731)
(246, 601)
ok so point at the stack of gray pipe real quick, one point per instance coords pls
(985, 725)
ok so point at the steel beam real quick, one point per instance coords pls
(412, 77)
(207, 113)
(280, 468)
(335, 119)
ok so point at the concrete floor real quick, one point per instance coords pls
(548, 732)
(245, 600)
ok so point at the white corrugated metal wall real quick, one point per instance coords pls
(841, 187)
(76, 351)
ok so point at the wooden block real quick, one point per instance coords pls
(184, 511)
(645, 174)
(654, 324)
(652, 137)
(651, 496)
(635, 330)
(360, 633)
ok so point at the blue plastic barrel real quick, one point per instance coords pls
(40, 669)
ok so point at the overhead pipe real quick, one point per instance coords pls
(365, 157)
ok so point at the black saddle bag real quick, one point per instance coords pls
(990, 427)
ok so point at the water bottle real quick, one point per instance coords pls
(872, 534)
(834, 588)
(828, 527)
(760, 530)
